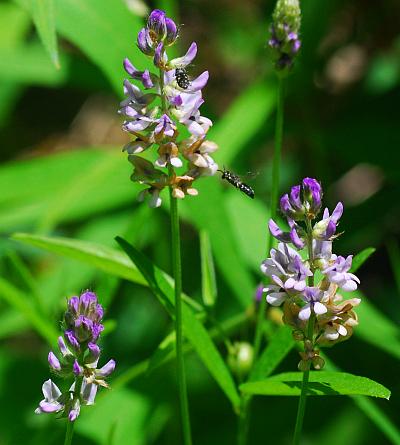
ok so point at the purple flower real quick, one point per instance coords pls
(165, 126)
(312, 296)
(52, 396)
(294, 236)
(338, 273)
(145, 77)
(286, 268)
(325, 229)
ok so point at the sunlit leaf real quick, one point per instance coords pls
(321, 383)
(361, 258)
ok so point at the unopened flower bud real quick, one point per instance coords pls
(240, 359)
(284, 41)
(54, 362)
(156, 25)
(312, 196)
(318, 362)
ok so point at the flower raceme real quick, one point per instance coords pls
(293, 272)
(168, 99)
(79, 356)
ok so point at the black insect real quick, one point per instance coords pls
(237, 182)
(182, 78)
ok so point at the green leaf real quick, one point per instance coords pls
(238, 125)
(322, 383)
(43, 16)
(277, 349)
(105, 30)
(361, 258)
(208, 280)
(105, 258)
(193, 329)
(21, 302)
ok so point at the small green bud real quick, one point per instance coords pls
(240, 359)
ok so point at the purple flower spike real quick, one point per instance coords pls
(53, 361)
(172, 31)
(156, 25)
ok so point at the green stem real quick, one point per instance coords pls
(69, 433)
(310, 336)
(276, 165)
(176, 260)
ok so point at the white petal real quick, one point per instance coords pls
(176, 162)
(276, 298)
(305, 312)
(342, 330)
(319, 308)
(50, 391)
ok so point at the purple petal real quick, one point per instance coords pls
(182, 62)
(129, 68)
(200, 82)
(338, 212)
(107, 369)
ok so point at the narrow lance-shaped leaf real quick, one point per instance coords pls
(105, 258)
(193, 329)
(361, 258)
(321, 383)
(208, 280)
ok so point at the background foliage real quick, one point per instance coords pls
(63, 175)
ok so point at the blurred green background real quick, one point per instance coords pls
(63, 174)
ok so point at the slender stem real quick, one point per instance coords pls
(69, 433)
(244, 419)
(176, 259)
(310, 336)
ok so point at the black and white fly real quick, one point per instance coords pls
(237, 182)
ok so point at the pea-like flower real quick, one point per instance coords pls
(305, 278)
(158, 125)
(80, 354)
